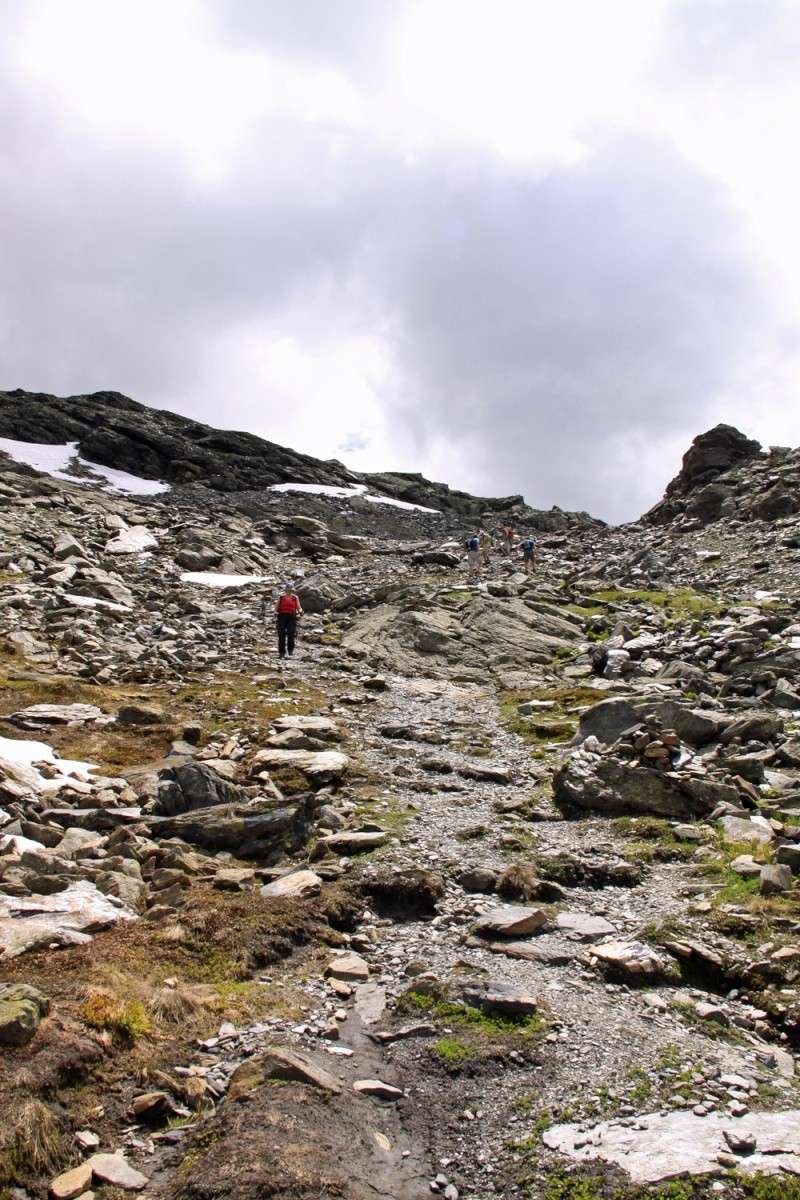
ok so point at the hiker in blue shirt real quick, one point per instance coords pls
(528, 548)
(473, 547)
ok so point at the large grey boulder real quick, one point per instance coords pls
(606, 784)
(190, 786)
(607, 721)
(317, 593)
(258, 829)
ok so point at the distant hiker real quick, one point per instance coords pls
(485, 547)
(509, 533)
(473, 556)
(528, 548)
(287, 610)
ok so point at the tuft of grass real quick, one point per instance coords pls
(127, 1019)
(453, 1052)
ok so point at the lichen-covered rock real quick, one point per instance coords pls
(21, 1010)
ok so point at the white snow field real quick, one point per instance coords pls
(343, 493)
(54, 460)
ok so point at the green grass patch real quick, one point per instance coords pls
(682, 603)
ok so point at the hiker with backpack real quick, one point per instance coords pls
(528, 548)
(485, 547)
(473, 546)
(287, 610)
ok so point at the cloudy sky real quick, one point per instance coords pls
(519, 246)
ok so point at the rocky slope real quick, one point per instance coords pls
(491, 891)
(117, 432)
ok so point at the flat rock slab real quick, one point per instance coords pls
(318, 766)
(370, 1003)
(681, 1143)
(298, 885)
(287, 1065)
(55, 714)
(632, 961)
(497, 999)
(65, 919)
(113, 1169)
(585, 926)
(321, 727)
(351, 968)
(351, 843)
(377, 1088)
(72, 1183)
(511, 921)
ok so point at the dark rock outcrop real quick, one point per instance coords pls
(710, 455)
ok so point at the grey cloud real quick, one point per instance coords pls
(538, 325)
(740, 43)
(352, 35)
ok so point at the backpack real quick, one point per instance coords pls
(287, 605)
(529, 546)
(473, 544)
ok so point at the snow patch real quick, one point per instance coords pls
(94, 602)
(24, 753)
(214, 580)
(344, 493)
(54, 461)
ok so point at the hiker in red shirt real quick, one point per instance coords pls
(288, 609)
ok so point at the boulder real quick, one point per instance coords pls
(262, 829)
(318, 727)
(21, 1010)
(511, 921)
(350, 842)
(607, 721)
(606, 784)
(131, 540)
(141, 714)
(320, 767)
(191, 786)
(317, 594)
(495, 998)
(747, 830)
(630, 962)
(298, 885)
(775, 878)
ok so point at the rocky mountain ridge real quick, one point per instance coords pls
(117, 432)
(490, 891)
